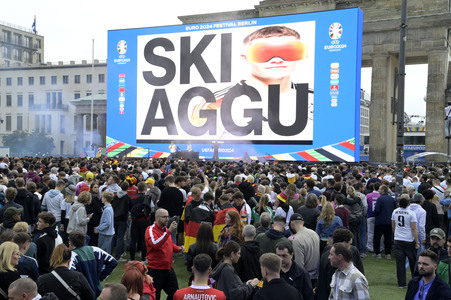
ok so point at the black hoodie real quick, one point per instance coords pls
(248, 266)
(45, 245)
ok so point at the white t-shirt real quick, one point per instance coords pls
(403, 217)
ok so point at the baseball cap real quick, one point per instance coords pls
(438, 232)
(150, 180)
(12, 211)
(296, 217)
(89, 176)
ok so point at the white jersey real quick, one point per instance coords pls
(403, 217)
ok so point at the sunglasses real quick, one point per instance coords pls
(287, 50)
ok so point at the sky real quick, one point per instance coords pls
(70, 27)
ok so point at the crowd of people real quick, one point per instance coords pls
(245, 230)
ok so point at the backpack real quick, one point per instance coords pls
(147, 206)
(143, 209)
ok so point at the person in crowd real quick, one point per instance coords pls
(274, 286)
(22, 227)
(292, 272)
(347, 282)
(9, 259)
(200, 288)
(248, 266)
(227, 280)
(270, 238)
(160, 249)
(428, 285)
(120, 204)
(444, 266)
(306, 247)
(220, 223)
(62, 277)
(28, 266)
(94, 208)
(385, 205)
(265, 223)
(140, 216)
(406, 240)
(79, 219)
(415, 205)
(47, 240)
(10, 195)
(11, 217)
(371, 198)
(53, 200)
(326, 225)
(232, 230)
(25, 198)
(114, 291)
(242, 207)
(94, 263)
(340, 210)
(261, 207)
(284, 209)
(432, 219)
(309, 211)
(437, 240)
(354, 204)
(23, 289)
(204, 244)
(106, 226)
(138, 283)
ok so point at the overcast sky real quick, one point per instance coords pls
(70, 27)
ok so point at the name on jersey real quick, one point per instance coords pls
(199, 297)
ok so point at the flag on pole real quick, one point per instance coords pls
(34, 25)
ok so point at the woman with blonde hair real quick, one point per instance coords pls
(50, 282)
(9, 259)
(261, 207)
(326, 225)
(79, 219)
(233, 228)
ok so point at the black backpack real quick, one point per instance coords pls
(143, 209)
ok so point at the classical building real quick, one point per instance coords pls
(49, 97)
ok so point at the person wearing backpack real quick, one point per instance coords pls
(354, 204)
(140, 215)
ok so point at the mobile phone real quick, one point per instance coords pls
(176, 219)
(220, 177)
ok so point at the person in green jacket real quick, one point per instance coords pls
(260, 208)
(444, 267)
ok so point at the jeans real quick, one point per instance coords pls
(362, 245)
(120, 227)
(369, 242)
(386, 231)
(402, 250)
(105, 242)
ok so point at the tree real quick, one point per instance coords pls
(23, 143)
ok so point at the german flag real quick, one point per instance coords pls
(200, 214)
(220, 220)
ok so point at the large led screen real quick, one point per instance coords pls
(284, 88)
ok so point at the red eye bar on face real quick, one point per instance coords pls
(288, 51)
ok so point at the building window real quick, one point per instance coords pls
(28, 41)
(42, 80)
(88, 94)
(9, 81)
(49, 124)
(60, 100)
(48, 99)
(62, 124)
(17, 54)
(18, 39)
(62, 147)
(53, 78)
(38, 43)
(19, 81)
(38, 57)
(101, 78)
(19, 123)
(30, 100)
(101, 92)
(6, 52)
(37, 120)
(19, 100)
(9, 100)
(7, 36)
(65, 79)
(77, 78)
(77, 95)
(30, 80)
(42, 123)
(88, 78)
(8, 123)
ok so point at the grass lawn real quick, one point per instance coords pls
(381, 275)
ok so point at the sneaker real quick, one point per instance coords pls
(122, 259)
(388, 256)
(363, 255)
(402, 287)
(376, 255)
(124, 254)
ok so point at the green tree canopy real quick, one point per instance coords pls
(23, 143)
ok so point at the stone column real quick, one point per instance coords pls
(79, 134)
(101, 126)
(382, 131)
(435, 97)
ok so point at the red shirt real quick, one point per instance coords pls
(159, 247)
(199, 293)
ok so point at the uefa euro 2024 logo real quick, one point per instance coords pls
(122, 47)
(335, 31)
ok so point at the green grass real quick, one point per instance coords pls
(380, 273)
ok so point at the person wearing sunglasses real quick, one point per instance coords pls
(428, 285)
(271, 55)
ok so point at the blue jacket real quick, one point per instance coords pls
(90, 262)
(385, 205)
(106, 226)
